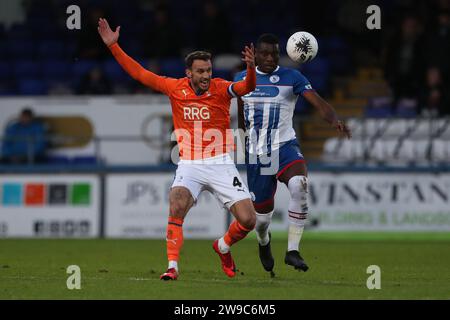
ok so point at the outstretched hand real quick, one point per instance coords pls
(249, 55)
(340, 126)
(109, 37)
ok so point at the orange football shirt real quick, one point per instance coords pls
(200, 122)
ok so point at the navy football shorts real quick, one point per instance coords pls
(263, 171)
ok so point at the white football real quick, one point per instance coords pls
(302, 47)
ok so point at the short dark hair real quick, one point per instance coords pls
(196, 55)
(27, 111)
(269, 38)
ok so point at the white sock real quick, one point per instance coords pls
(173, 264)
(294, 236)
(298, 210)
(223, 247)
(262, 227)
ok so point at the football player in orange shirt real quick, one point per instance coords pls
(200, 108)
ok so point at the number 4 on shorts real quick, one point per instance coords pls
(236, 182)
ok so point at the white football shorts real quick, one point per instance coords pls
(221, 178)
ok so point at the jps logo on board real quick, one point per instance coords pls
(196, 112)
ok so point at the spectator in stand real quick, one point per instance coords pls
(95, 82)
(24, 140)
(434, 96)
(404, 61)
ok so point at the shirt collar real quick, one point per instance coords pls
(263, 73)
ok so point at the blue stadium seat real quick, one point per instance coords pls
(81, 67)
(332, 45)
(317, 67)
(55, 69)
(317, 71)
(114, 71)
(340, 63)
(319, 82)
(32, 87)
(379, 107)
(61, 86)
(26, 68)
(51, 49)
(378, 112)
(83, 160)
(5, 70)
(406, 111)
(223, 74)
(21, 49)
(50, 32)
(131, 46)
(71, 48)
(172, 67)
(58, 160)
(338, 53)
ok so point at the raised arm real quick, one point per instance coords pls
(327, 112)
(134, 69)
(243, 87)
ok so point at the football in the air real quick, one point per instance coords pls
(302, 47)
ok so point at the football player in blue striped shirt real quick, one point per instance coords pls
(272, 150)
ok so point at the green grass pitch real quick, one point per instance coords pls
(413, 266)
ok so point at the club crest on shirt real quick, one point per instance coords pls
(274, 79)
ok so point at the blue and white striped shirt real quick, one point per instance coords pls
(269, 109)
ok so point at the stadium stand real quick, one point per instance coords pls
(402, 141)
(39, 56)
(43, 36)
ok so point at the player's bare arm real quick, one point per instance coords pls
(327, 112)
